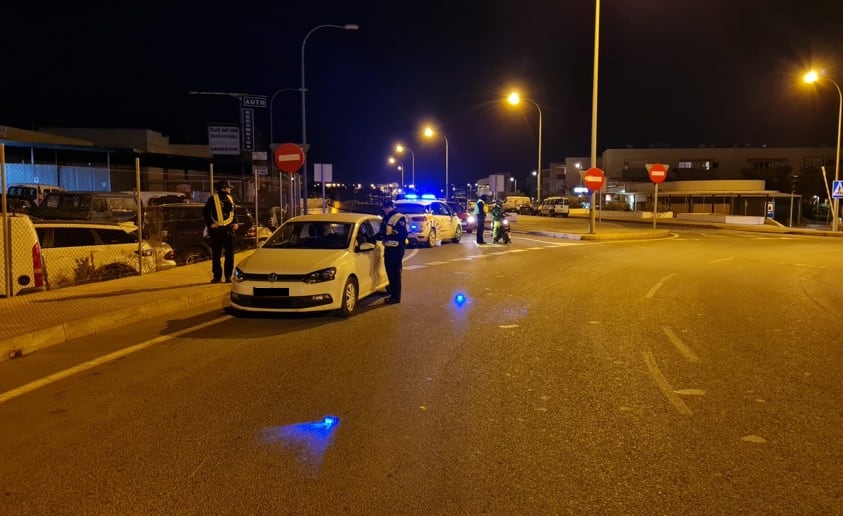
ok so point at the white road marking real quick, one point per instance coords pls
(683, 348)
(658, 285)
(721, 260)
(664, 386)
(61, 375)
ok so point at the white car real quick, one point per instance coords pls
(78, 252)
(429, 221)
(313, 263)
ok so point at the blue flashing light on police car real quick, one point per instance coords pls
(460, 299)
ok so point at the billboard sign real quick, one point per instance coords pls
(224, 139)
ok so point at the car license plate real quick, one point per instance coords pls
(270, 292)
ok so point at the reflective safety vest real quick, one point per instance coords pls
(218, 205)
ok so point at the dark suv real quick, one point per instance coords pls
(181, 225)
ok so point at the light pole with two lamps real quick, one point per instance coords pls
(514, 99)
(400, 149)
(811, 77)
(349, 26)
(429, 132)
(393, 161)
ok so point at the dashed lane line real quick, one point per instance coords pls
(664, 386)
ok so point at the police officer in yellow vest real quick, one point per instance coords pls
(393, 233)
(221, 222)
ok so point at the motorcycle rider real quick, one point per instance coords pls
(497, 220)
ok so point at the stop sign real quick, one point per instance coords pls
(658, 173)
(289, 157)
(594, 179)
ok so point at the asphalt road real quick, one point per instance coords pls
(692, 375)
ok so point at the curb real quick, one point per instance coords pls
(21, 345)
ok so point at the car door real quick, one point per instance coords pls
(369, 264)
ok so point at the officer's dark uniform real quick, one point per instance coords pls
(393, 233)
(480, 215)
(219, 212)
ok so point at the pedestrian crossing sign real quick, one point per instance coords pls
(837, 190)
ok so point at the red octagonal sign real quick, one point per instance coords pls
(658, 173)
(289, 157)
(594, 179)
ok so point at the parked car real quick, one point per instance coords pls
(90, 206)
(429, 221)
(313, 263)
(26, 196)
(554, 206)
(27, 271)
(181, 225)
(514, 203)
(78, 252)
(467, 220)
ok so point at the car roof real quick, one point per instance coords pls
(334, 217)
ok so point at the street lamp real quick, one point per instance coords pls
(400, 167)
(514, 98)
(400, 149)
(811, 77)
(429, 132)
(349, 26)
(515, 184)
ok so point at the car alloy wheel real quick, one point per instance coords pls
(349, 298)
(431, 238)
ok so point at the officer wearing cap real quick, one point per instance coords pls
(221, 223)
(393, 234)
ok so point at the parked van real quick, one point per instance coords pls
(554, 206)
(515, 202)
(91, 206)
(27, 265)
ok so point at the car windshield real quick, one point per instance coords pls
(411, 208)
(311, 235)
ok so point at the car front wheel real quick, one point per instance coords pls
(457, 234)
(431, 238)
(349, 298)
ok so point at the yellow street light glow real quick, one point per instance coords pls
(399, 148)
(428, 131)
(514, 98)
(391, 160)
(811, 76)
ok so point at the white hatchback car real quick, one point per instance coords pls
(313, 263)
(429, 221)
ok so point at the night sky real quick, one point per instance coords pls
(689, 73)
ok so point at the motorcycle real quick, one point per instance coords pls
(500, 231)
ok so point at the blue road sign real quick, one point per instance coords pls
(837, 190)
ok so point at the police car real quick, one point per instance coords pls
(429, 220)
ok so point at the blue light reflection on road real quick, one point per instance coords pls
(308, 440)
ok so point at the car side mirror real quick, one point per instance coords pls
(366, 246)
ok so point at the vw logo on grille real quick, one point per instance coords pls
(272, 278)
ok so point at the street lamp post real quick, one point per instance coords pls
(810, 77)
(514, 98)
(393, 161)
(429, 132)
(348, 26)
(399, 148)
(515, 184)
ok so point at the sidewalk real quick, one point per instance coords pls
(38, 320)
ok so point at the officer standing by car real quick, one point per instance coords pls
(393, 234)
(480, 215)
(221, 223)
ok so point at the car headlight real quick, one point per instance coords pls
(505, 222)
(238, 275)
(328, 274)
(471, 220)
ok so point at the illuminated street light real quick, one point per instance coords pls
(400, 167)
(515, 184)
(400, 149)
(429, 132)
(348, 26)
(812, 77)
(514, 99)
